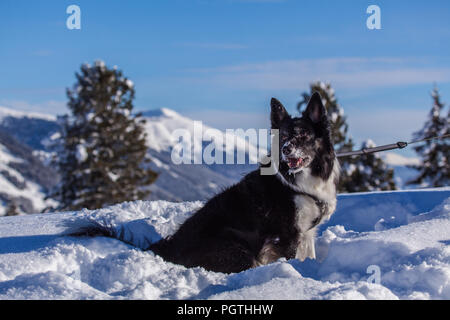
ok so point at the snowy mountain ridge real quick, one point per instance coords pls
(162, 123)
(191, 181)
(7, 112)
(24, 180)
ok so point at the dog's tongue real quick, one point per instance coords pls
(294, 162)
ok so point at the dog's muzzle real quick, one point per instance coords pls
(293, 157)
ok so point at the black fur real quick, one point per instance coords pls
(322, 164)
(228, 233)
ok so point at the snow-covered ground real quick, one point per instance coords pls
(400, 238)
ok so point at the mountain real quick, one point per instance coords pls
(24, 179)
(183, 182)
(29, 128)
(187, 182)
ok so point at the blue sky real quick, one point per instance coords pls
(221, 61)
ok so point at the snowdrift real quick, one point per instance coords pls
(385, 245)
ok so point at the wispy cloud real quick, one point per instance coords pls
(212, 45)
(346, 72)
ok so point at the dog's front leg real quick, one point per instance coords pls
(306, 246)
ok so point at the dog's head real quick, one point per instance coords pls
(304, 142)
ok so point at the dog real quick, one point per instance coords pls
(265, 217)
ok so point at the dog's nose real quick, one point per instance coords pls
(287, 149)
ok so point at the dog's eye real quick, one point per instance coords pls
(303, 133)
(284, 137)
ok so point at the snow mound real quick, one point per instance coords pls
(384, 245)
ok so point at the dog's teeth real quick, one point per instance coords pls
(295, 163)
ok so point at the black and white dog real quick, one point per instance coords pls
(265, 217)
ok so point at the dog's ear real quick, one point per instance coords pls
(315, 110)
(277, 114)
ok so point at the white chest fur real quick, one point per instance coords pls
(306, 208)
(306, 212)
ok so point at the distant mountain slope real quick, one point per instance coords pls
(187, 182)
(29, 128)
(24, 180)
(183, 182)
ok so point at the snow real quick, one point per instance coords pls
(395, 159)
(403, 234)
(81, 153)
(6, 112)
(369, 143)
(6, 156)
(30, 190)
(129, 83)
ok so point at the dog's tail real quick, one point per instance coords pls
(138, 233)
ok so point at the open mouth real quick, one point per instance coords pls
(294, 163)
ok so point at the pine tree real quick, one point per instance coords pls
(369, 173)
(343, 143)
(434, 170)
(103, 153)
(12, 209)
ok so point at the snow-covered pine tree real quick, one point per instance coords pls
(11, 209)
(343, 143)
(369, 173)
(103, 153)
(434, 170)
